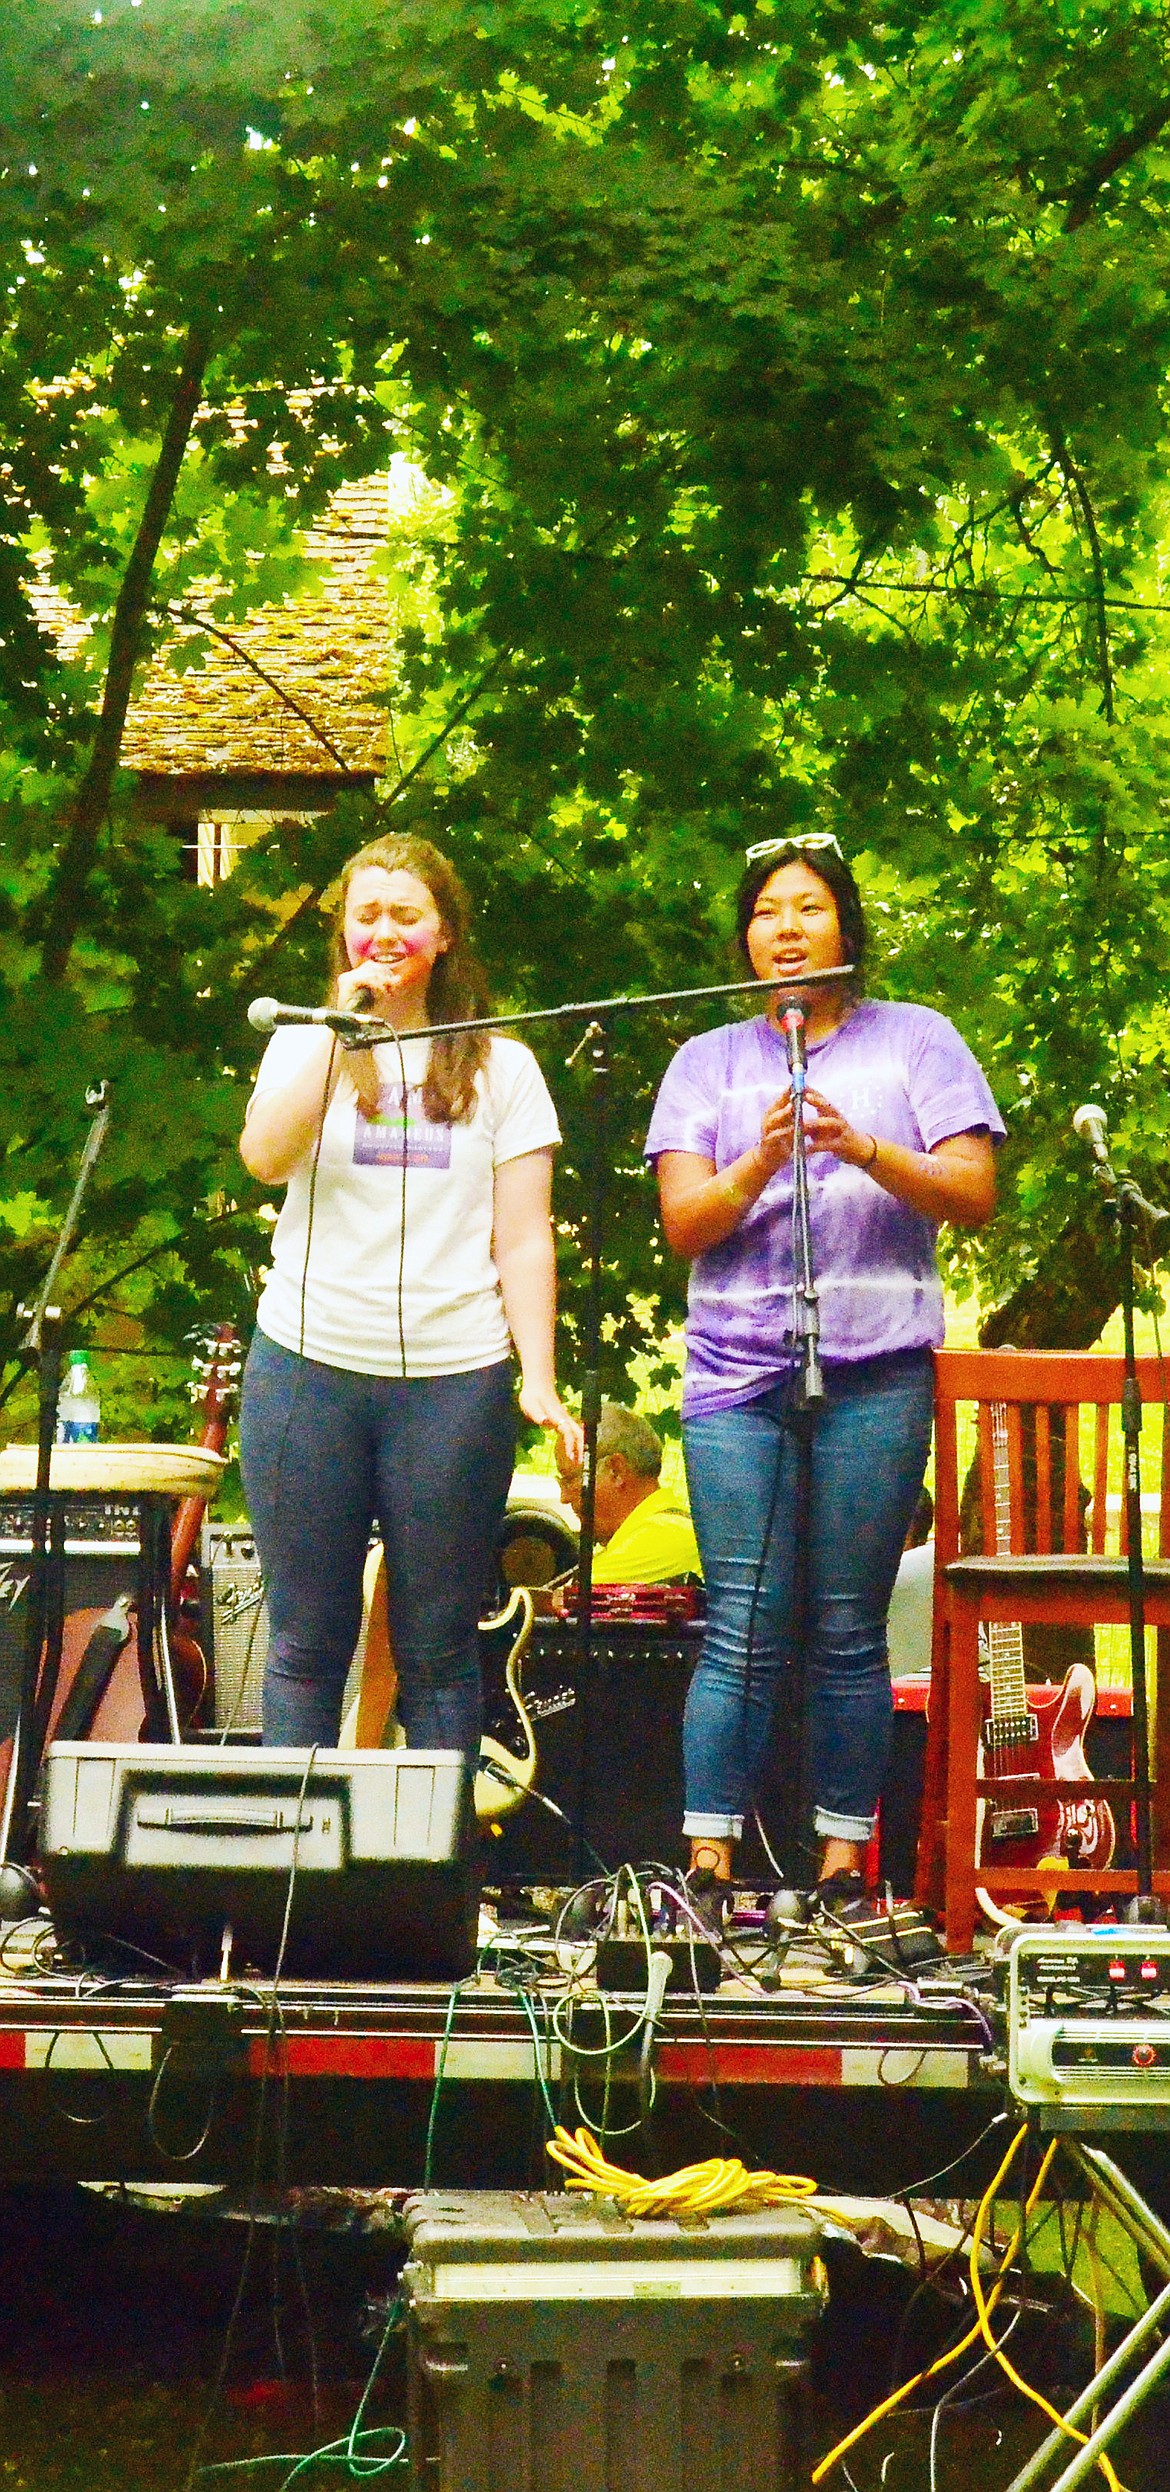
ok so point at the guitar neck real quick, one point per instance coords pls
(188, 1523)
(1005, 1640)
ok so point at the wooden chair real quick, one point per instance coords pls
(1047, 1454)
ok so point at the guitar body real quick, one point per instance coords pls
(1070, 1825)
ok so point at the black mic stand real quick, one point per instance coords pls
(1128, 1209)
(41, 1345)
(596, 1039)
(808, 1393)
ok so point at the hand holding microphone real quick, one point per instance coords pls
(357, 990)
(356, 996)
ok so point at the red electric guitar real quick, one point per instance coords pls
(1034, 1731)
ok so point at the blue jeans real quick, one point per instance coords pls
(324, 1451)
(870, 1443)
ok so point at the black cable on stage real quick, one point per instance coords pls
(753, 1609)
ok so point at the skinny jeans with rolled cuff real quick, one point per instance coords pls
(870, 1442)
(324, 1451)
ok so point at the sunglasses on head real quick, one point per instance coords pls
(814, 842)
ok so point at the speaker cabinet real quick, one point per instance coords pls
(101, 1563)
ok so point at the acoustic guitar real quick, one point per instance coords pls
(105, 1689)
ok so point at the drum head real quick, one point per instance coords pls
(536, 1543)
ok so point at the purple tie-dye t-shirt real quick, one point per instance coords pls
(895, 1070)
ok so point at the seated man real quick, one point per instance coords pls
(647, 1533)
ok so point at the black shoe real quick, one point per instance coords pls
(709, 1898)
(882, 1936)
(841, 1893)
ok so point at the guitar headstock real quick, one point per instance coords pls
(216, 1365)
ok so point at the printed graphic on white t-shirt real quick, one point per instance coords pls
(378, 1139)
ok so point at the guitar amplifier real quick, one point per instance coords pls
(632, 1720)
(162, 1846)
(101, 1563)
(234, 1625)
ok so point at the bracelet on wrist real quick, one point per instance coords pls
(873, 1152)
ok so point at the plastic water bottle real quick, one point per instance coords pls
(79, 1412)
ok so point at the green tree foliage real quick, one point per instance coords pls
(792, 381)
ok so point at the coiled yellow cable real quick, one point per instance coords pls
(699, 2189)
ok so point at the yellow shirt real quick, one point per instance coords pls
(655, 1544)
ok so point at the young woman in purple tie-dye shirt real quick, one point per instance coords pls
(900, 1126)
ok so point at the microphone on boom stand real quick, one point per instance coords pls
(1090, 1123)
(1127, 1207)
(266, 1014)
(792, 1025)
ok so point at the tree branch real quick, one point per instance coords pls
(289, 924)
(1085, 192)
(215, 631)
(1077, 485)
(91, 803)
(1067, 1302)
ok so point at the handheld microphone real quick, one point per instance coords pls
(1090, 1122)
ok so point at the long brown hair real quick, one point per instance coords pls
(458, 988)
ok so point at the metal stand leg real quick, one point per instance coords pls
(1149, 2234)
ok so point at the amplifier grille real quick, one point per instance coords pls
(235, 1620)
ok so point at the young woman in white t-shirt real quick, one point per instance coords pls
(413, 1254)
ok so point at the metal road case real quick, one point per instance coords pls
(162, 1846)
(555, 2345)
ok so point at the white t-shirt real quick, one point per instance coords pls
(452, 1313)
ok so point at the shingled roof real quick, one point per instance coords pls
(327, 652)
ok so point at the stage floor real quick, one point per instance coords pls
(866, 2085)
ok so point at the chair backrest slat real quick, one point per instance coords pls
(1072, 1475)
(1043, 1424)
(946, 1484)
(1100, 1476)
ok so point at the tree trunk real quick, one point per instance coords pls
(91, 803)
(1069, 1300)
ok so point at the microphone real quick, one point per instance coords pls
(1090, 1123)
(792, 1024)
(266, 1015)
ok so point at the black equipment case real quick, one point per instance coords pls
(162, 1846)
(555, 2345)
